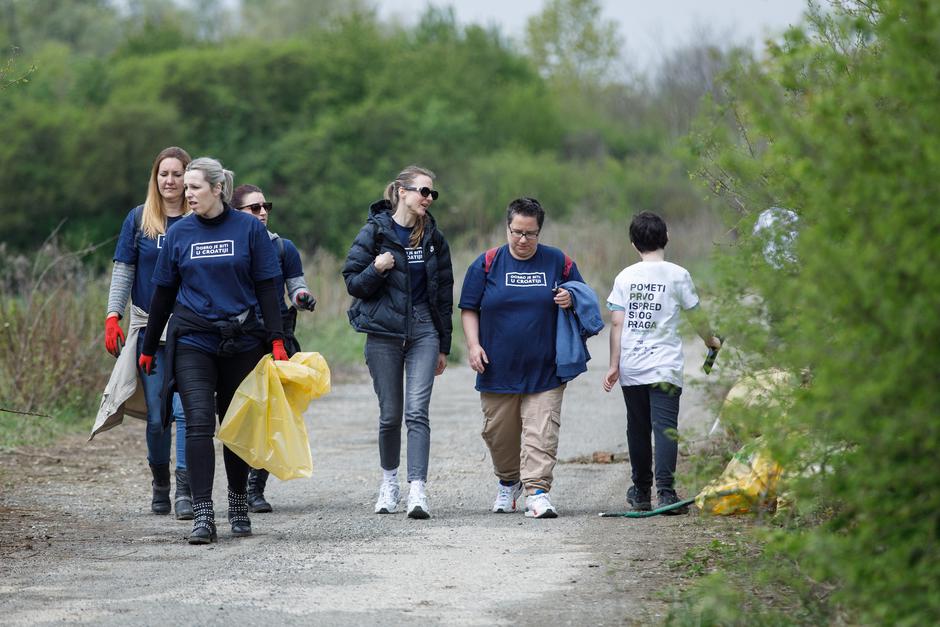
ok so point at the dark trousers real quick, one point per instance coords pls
(206, 385)
(652, 410)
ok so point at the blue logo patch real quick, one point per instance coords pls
(221, 248)
(526, 279)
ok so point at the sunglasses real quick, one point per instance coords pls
(257, 207)
(424, 191)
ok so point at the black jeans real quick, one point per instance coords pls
(652, 409)
(207, 383)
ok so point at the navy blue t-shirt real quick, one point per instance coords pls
(517, 318)
(216, 265)
(416, 270)
(142, 254)
(291, 268)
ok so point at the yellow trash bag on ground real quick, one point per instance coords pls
(748, 484)
(264, 424)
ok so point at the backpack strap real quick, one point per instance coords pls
(138, 222)
(278, 242)
(567, 269)
(488, 258)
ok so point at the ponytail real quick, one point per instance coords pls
(228, 184)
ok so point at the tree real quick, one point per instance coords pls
(568, 39)
(10, 76)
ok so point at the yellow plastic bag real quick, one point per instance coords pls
(264, 423)
(749, 483)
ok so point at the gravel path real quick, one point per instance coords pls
(80, 545)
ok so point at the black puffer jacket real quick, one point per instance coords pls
(382, 301)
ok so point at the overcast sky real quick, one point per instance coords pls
(649, 28)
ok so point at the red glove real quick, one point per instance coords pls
(113, 335)
(277, 347)
(147, 363)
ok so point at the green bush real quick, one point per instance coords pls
(841, 125)
(52, 359)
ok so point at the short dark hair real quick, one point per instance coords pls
(525, 206)
(648, 232)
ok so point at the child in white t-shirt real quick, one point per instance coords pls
(646, 357)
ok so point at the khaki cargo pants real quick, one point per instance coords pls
(530, 419)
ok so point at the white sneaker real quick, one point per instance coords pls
(389, 493)
(418, 501)
(539, 506)
(506, 496)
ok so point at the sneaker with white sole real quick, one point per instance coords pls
(418, 502)
(389, 493)
(539, 506)
(506, 497)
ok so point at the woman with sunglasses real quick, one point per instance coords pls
(509, 310)
(135, 257)
(399, 271)
(216, 270)
(250, 199)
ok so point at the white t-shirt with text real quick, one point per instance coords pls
(652, 294)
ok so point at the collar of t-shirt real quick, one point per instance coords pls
(404, 234)
(219, 219)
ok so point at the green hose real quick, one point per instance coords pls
(655, 512)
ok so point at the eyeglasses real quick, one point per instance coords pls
(424, 191)
(526, 234)
(257, 207)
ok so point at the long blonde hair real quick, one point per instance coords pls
(405, 178)
(153, 221)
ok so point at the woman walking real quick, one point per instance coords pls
(135, 257)
(250, 199)
(509, 309)
(215, 270)
(399, 271)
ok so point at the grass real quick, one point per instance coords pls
(51, 359)
(736, 581)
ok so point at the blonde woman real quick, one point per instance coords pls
(399, 271)
(216, 271)
(135, 257)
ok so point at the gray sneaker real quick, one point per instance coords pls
(666, 498)
(639, 499)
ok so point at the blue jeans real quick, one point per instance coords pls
(158, 439)
(392, 363)
(652, 410)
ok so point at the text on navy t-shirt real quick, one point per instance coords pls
(518, 317)
(216, 265)
(416, 269)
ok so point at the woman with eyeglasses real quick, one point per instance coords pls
(399, 272)
(250, 199)
(216, 270)
(135, 256)
(509, 310)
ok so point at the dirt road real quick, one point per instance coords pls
(79, 543)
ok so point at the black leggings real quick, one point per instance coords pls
(205, 382)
